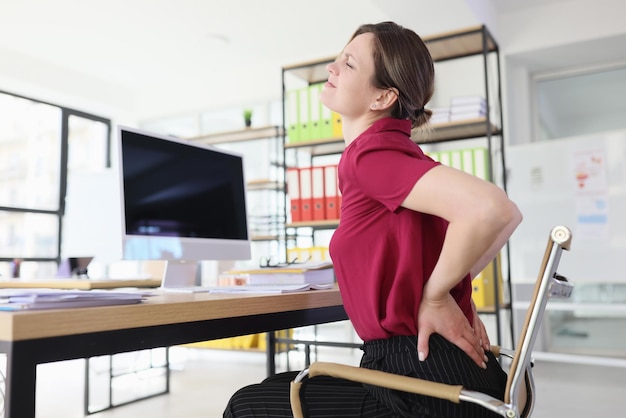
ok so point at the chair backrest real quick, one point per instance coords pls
(548, 284)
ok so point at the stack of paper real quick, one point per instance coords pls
(270, 288)
(315, 272)
(440, 115)
(467, 107)
(30, 299)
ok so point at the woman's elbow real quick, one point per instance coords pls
(508, 214)
(498, 211)
(515, 215)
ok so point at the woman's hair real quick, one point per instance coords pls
(402, 61)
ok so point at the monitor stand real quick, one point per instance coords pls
(179, 274)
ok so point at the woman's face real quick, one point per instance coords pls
(349, 91)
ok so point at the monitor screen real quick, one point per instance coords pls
(181, 201)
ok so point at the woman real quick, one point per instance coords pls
(412, 234)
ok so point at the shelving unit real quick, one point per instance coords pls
(248, 134)
(454, 45)
(478, 41)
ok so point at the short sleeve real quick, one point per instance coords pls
(388, 175)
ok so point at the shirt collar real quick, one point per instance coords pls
(390, 124)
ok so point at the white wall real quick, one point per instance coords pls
(20, 74)
(560, 23)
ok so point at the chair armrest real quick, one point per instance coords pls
(453, 393)
(372, 377)
(388, 380)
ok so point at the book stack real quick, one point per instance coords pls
(265, 225)
(276, 288)
(467, 107)
(440, 115)
(309, 273)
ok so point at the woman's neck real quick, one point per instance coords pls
(352, 128)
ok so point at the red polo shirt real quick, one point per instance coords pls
(383, 253)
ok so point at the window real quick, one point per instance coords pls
(88, 150)
(39, 143)
(580, 102)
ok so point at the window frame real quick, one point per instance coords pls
(59, 212)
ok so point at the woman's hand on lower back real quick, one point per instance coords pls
(444, 317)
(480, 330)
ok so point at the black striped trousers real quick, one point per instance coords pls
(330, 397)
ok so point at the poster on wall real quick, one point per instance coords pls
(589, 173)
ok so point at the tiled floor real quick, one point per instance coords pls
(203, 380)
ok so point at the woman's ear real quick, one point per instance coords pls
(385, 99)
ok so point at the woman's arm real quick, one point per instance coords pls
(481, 219)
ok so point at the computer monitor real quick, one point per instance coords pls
(181, 202)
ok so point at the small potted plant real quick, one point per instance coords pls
(247, 117)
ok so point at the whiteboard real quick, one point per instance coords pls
(545, 181)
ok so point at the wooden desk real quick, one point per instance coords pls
(33, 337)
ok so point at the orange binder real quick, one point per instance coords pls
(293, 192)
(331, 192)
(306, 197)
(317, 193)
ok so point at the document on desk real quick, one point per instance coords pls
(270, 288)
(33, 299)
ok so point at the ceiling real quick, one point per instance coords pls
(171, 56)
(175, 55)
(167, 57)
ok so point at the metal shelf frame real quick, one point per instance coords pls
(468, 42)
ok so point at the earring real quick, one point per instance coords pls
(373, 106)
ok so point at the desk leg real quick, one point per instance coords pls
(271, 353)
(19, 401)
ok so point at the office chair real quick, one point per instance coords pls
(518, 398)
